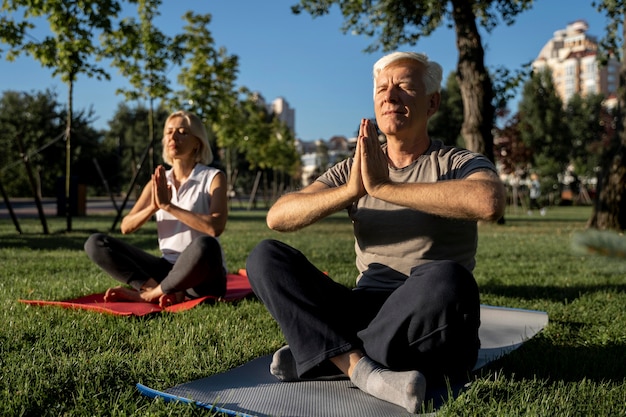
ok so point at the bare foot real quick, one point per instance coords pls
(167, 300)
(122, 294)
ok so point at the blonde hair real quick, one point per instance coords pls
(204, 154)
(432, 75)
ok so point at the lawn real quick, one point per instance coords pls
(61, 362)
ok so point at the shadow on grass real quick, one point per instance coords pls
(530, 220)
(72, 241)
(541, 358)
(552, 293)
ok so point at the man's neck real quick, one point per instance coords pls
(402, 153)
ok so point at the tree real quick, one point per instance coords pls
(229, 132)
(609, 210)
(124, 143)
(446, 124)
(144, 55)
(36, 122)
(511, 153)
(42, 141)
(208, 77)
(543, 128)
(268, 145)
(69, 50)
(400, 22)
(587, 119)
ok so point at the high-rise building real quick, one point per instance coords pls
(572, 56)
(286, 114)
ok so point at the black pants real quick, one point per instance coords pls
(429, 323)
(199, 270)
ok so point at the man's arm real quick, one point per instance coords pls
(296, 210)
(299, 209)
(480, 196)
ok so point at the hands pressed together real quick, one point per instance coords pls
(161, 191)
(370, 166)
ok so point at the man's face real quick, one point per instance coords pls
(400, 101)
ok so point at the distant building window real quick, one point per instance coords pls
(590, 70)
(591, 88)
(569, 89)
(611, 80)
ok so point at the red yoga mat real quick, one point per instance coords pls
(237, 287)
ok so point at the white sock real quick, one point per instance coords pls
(283, 365)
(406, 389)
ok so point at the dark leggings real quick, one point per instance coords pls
(198, 271)
(429, 323)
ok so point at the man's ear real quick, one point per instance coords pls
(433, 103)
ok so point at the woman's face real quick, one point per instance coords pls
(178, 141)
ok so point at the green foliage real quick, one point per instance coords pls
(36, 120)
(505, 85)
(403, 22)
(612, 44)
(126, 141)
(587, 123)
(611, 204)
(547, 138)
(141, 53)
(512, 154)
(267, 142)
(68, 50)
(70, 47)
(208, 75)
(44, 127)
(543, 127)
(79, 363)
(399, 22)
(447, 122)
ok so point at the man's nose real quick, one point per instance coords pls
(390, 95)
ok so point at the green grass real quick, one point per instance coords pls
(76, 363)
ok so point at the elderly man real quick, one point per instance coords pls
(414, 204)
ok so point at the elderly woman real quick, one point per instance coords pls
(190, 204)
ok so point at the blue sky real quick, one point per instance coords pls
(321, 72)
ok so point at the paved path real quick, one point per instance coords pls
(26, 208)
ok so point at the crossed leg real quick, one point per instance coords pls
(150, 292)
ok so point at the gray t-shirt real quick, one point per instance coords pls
(390, 240)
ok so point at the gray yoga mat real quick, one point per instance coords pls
(250, 390)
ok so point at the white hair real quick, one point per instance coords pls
(432, 75)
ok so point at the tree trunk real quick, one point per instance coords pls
(474, 82)
(610, 206)
(609, 211)
(151, 135)
(68, 154)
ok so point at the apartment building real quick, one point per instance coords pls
(571, 54)
(284, 112)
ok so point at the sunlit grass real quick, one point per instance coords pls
(63, 362)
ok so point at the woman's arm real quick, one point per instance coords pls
(141, 212)
(212, 223)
